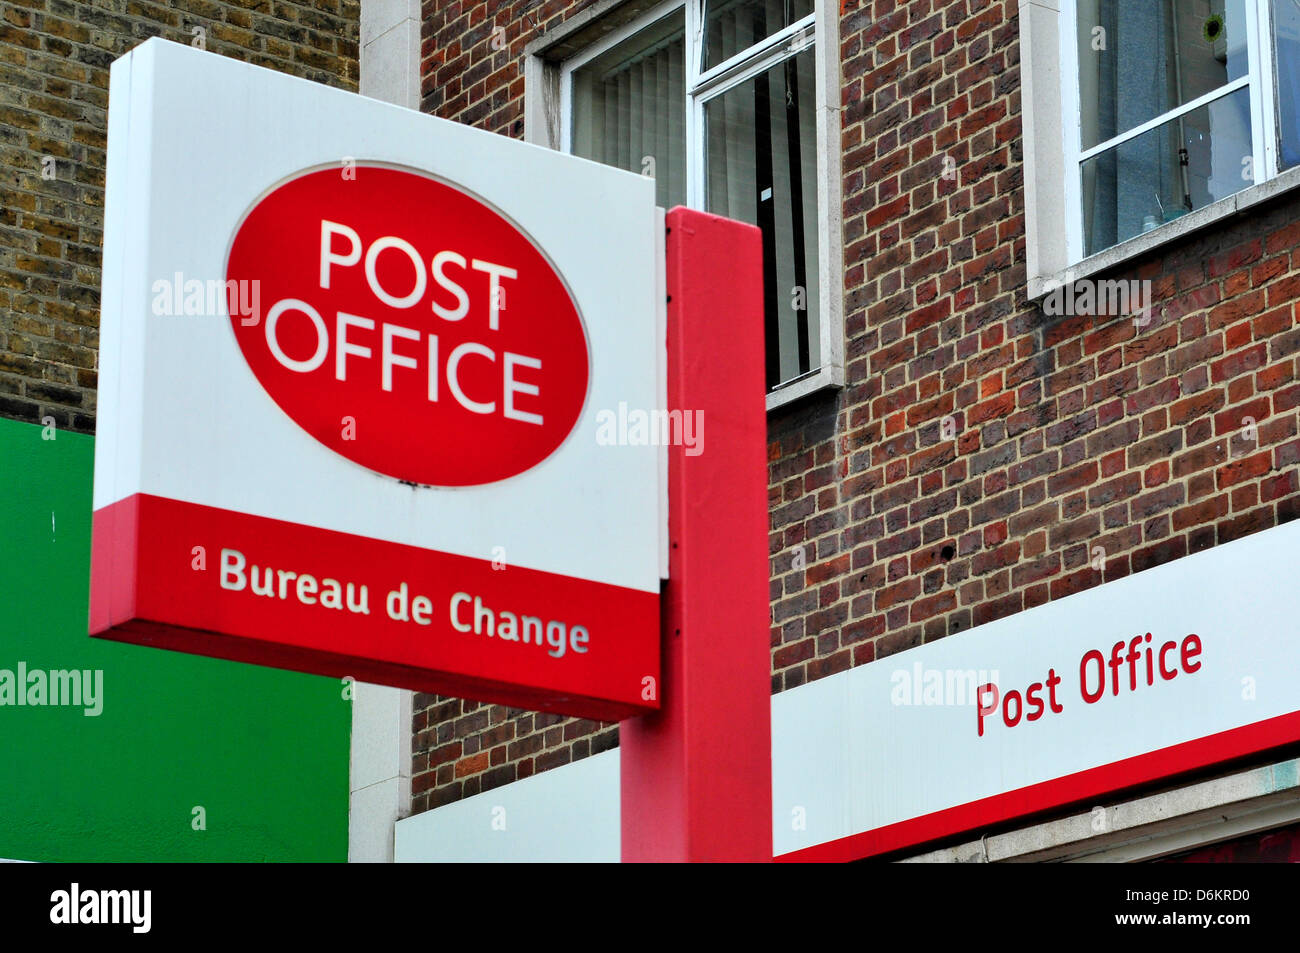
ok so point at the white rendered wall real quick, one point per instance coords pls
(380, 771)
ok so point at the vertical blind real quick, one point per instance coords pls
(629, 108)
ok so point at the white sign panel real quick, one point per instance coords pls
(355, 362)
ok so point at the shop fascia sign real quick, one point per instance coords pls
(355, 362)
(1169, 671)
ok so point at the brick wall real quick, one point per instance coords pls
(471, 58)
(54, 62)
(1076, 441)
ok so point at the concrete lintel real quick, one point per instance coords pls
(1163, 823)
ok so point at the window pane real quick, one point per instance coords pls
(1286, 23)
(629, 107)
(1139, 59)
(731, 26)
(1187, 163)
(761, 140)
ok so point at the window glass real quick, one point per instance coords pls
(629, 107)
(732, 26)
(756, 136)
(1186, 163)
(1139, 59)
(761, 142)
(1286, 24)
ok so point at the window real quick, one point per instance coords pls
(1286, 67)
(721, 103)
(628, 107)
(1179, 104)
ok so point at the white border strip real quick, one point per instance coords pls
(379, 772)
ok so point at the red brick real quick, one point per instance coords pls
(1190, 408)
(1286, 399)
(1000, 558)
(1276, 487)
(1207, 511)
(1156, 474)
(897, 593)
(472, 765)
(998, 406)
(1209, 455)
(1232, 420)
(1239, 363)
(1245, 469)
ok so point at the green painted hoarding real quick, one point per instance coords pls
(258, 757)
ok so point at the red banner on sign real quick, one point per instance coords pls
(229, 585)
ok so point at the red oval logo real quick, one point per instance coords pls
(408, 326)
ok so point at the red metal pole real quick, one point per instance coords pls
(697, 775)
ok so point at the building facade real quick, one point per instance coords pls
(1030, 278)
(1010, 360)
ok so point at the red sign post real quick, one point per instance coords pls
(697, 774)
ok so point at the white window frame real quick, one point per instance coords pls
(1053, 153)
(548, 107)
